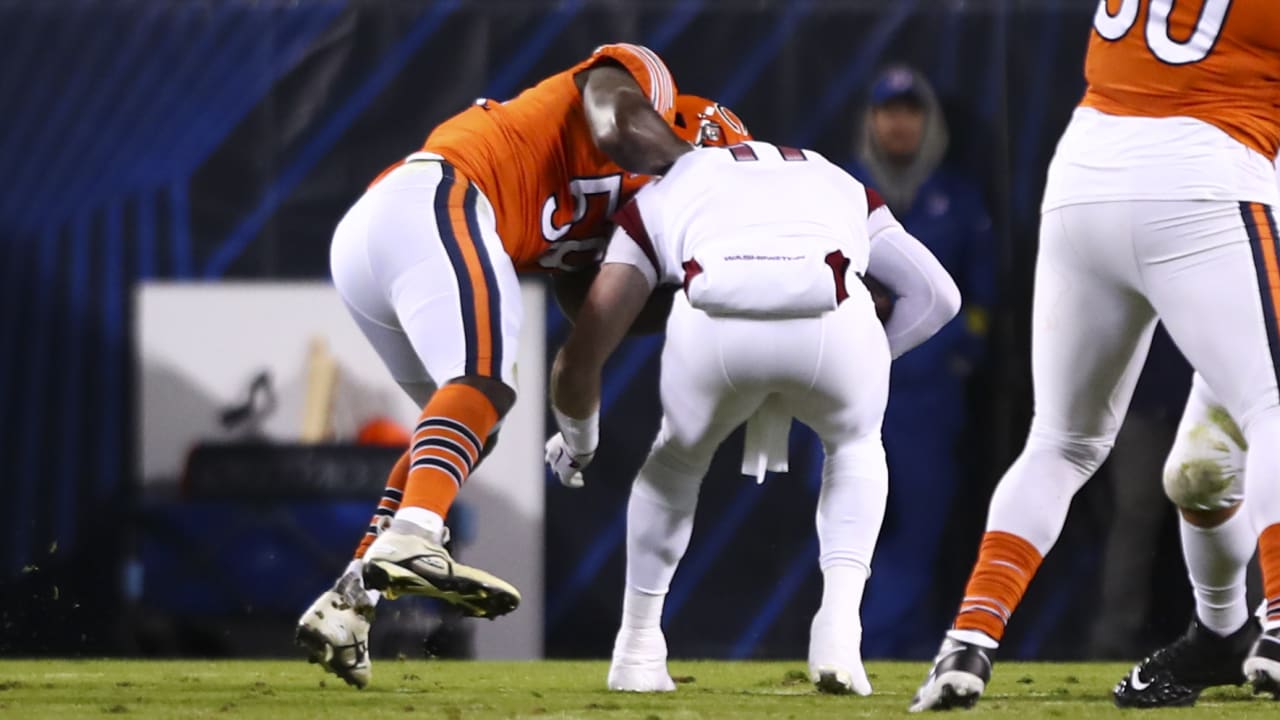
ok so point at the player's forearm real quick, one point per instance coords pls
(575, 388)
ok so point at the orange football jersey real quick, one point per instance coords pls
(1214, 60)
(533, 156)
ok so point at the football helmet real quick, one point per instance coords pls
(707, 123)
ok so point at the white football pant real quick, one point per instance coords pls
(830, 372)
(1105, 272)
(419, 264)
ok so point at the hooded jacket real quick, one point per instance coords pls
(944, 210)
(896, 183)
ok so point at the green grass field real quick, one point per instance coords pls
(281, 690)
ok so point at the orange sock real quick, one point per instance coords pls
(1006, 563)
(1269, 559)
(388, 505)
(446, 445)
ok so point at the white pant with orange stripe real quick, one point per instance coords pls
(1105, 273)
(419, 264)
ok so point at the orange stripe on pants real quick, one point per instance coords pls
(1267, 239)
(471, 257)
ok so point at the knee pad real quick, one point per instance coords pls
(1205, 468)
(1200, 484)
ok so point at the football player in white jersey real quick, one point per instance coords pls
(772, 324)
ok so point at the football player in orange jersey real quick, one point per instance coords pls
(426, 262)
(1160, 204)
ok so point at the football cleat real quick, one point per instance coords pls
(335, 631)
(1176, 674)
(406, 561)
(835, 653)
(1262, 667)
(959, 675)
(838, 681)
(639, 662)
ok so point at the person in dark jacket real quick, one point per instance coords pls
(900, 144)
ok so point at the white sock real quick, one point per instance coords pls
(835, 636)
(640, 644)
(842, 587)
(1217, 559)
(642, 610)
(423, 518)
(974, 637)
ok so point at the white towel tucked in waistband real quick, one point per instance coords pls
(766, 444)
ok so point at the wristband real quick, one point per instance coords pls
(582, 436)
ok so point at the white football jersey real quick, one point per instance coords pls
(753, 195)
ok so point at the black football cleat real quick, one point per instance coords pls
(957, 679)
(1176, 674)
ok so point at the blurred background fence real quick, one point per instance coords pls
(219, 139)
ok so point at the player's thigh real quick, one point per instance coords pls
(436, 252)
(1091, 326)
(701, 404)
(846, 397)
(399, 356)
(1205, 467)
(367, 302)
(1213, 273)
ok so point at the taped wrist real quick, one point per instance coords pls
(582, 436)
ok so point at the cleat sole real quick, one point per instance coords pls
(1264, 676)
(955, 690)
(829, 682)
(474, 597)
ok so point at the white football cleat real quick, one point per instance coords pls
(835, 653)
(335, 630)
(407, 561)
(640, 662)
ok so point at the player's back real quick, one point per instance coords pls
(551, 188)
(752, 191)
(1183, 102)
